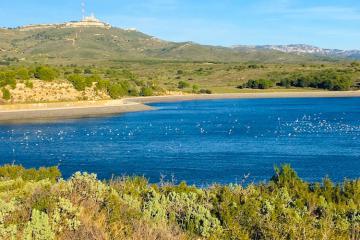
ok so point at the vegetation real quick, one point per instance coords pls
(37, 204)
(329, 79)
(183, 84)
(259, 84)
(147, 78)
(94, 45)
(6, 94)
(46, 73)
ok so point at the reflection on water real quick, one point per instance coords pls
(200, 141)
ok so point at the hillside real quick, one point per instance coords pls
(92, 44)
(316, 51)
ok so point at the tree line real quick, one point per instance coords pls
(328, 79)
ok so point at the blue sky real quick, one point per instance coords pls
(324, 23)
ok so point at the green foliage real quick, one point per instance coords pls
(39, 227)
(29, 84)
(324, 79)
(183, 84)
(8, 78)
(7, 230)
(205, 91)
(46, 73)
(6, 94)
(286, 207)
(87, 187)
(11, 172)
(102, 85)
(195, 88)
(79, 82)
(259, 84)
(146, 91)
(23, 74)
(65, 216)
(117, 91)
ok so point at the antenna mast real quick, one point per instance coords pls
(83, 5)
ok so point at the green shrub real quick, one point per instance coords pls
(102, 85)
(46, 73)
(259, 84)
(29, 84)
(7, 78)
(205, 91)
(81, 82)
(7, 230)
(39, 227)
(6, 94)
(195, 88)
(14, 172)
(183, 84)
(82, 207)
(146, 91)
(117, 91)
(23, 74)
(325, 79)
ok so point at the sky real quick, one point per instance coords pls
(323, 23)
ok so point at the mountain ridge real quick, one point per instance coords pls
(93, 40)
(310, 49)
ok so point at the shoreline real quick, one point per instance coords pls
(255, 95)
(19, 113)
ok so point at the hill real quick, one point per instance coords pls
(316, 51)
(72, 42)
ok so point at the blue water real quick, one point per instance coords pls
(201, 142)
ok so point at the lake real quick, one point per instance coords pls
(201, 142)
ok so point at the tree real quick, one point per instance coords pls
(22, 74)
(78, 82)
(195, 88)
(183, 84)
(6, 94)
(117, 91)
(45, 73)
(146, 91)
(102, 85)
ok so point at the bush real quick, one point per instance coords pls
(46, 73)
(205, 91)
(195, 88)
(6, 94)
(117, 91)
(29, 84)
(7, 78)
(183, 84)
(78, 81)
(102, 85)
(82, 207)
(39, 227)
(10, 172)
(259, 84)
(87, 71)
(23, 74)
(146, 91)
(324, 79)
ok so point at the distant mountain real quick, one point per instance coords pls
(316, 51)
(91, 40)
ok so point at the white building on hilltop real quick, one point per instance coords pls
(90, 21)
